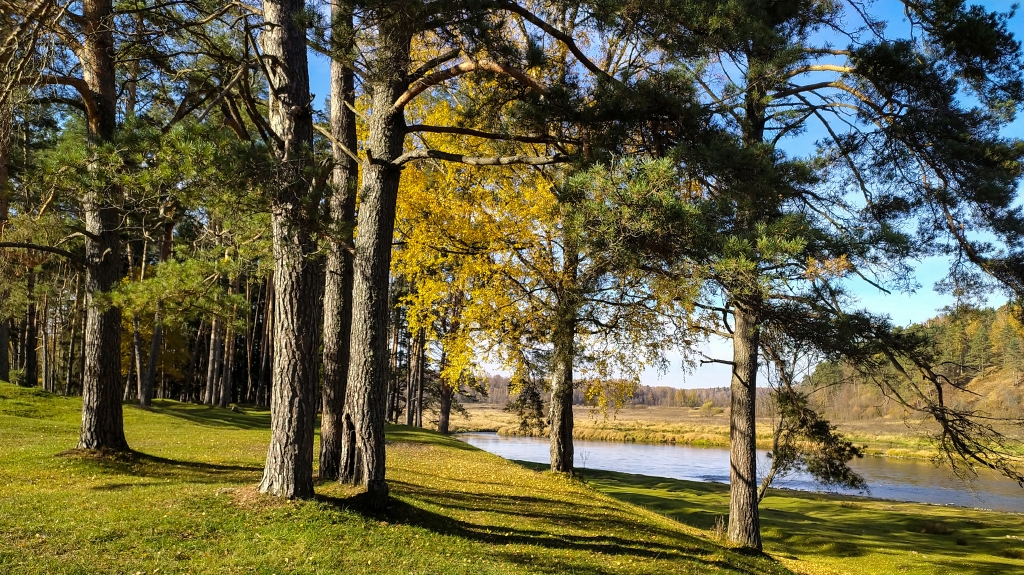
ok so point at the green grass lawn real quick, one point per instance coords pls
(832, 534)
(185, 503)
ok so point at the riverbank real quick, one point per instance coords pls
(817, 533)
(186, 503)
(702, 428)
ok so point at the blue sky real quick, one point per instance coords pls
(902, 308)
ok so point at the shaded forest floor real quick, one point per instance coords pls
(185, 503)
(689, 426)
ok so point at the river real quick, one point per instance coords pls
(897, 479)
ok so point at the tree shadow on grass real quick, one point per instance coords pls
(562, 526)
(212, 416)
(827, 526)
(136, 464)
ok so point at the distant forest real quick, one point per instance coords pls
(979, 350)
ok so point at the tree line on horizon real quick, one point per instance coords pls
(571, 190)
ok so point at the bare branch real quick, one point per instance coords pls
(561, 37)
(488, 135)
(48, 249)
(481, 161)
(336, 142)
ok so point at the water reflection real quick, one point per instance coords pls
(903, 480)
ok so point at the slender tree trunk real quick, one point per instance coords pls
(560, 416)
(156, 343)
(5, 194)
(415, 375)
(5, 346)
(136, 356)
(226, 380)
(393, 368)
(298, 279)
(445, 413)
(31, 365)
(47, 361)
(250, 332)
(366, 396)
(744, 524)
(267, 346)
(193, 360)
(338, 287)
(213, 365)
(420, 370)
(74, 336)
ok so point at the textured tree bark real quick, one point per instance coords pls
(31, 365)
(102, 419)
(266, 346)
(366, 396)
(744, 524)
(560, 417)
(338, 287)
(298, 280)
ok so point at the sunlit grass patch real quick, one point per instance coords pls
(185, 502)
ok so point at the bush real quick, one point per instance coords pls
(16, 376)
(935, 528)
(708, 409)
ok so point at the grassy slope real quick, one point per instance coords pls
(188, 506)
(831, 534)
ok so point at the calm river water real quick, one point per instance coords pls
(899, 479)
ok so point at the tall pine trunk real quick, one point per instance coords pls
(213, 365)
(31, 364)
(744, 524)
(298, 279)
(5, 329)
(102, 418)
(366, 396)
(338, 288)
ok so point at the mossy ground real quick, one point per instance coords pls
(185, 502)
